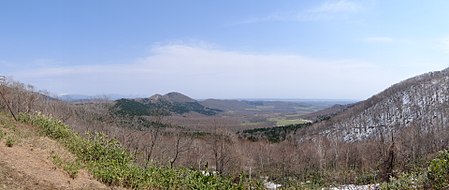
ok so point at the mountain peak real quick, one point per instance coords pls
(156, 97)
(177, 97)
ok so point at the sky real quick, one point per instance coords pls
(328, 49)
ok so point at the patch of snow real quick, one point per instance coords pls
(207, 173)
(356, 187)
(270, 185)
(405, 99)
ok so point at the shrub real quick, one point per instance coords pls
(10, 141)
(72, 168)
(438, 171)
(436, 176)
(413, 180)
(367, 178)
(49, 127)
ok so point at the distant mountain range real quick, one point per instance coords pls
(81, 97)
(178, 103)
(78, 97)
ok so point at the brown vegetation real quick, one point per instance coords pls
(314, 155)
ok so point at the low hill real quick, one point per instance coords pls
(171, 103)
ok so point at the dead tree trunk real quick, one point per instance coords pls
(388, 165)
(7, 106)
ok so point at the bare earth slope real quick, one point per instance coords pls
(28, 163)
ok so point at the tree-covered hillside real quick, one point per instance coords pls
(147, 107)
(271, 134)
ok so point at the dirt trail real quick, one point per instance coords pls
(28, 165)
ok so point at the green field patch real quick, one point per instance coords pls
(284, 122)
(265, 107)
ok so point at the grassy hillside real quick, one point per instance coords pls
(28, 161)
(108, 162)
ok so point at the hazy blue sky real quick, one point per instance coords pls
(342, 49)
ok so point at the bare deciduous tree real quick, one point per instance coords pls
(182, 144)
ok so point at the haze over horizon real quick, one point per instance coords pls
(331, 49)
